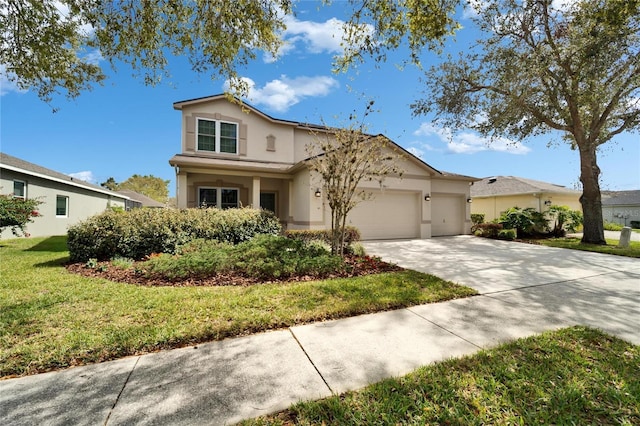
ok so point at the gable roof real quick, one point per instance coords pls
(512, 185)
(618, 198)
(432, 170)
(16, 164)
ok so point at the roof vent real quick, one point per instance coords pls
(492, 179)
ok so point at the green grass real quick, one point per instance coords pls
(52, 319)
(575, 376)
(611, 248)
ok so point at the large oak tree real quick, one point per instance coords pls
(572, 70)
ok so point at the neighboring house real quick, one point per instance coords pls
(493, 195)
(65, 200)
(137, 200)
(235, 155)
(621, 206)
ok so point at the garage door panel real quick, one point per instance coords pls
(388, 215)
(447, 214)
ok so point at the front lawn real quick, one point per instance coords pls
(611, 248)
(50, 318)
(575, 376)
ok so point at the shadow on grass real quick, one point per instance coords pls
(56, 244)
(55, 263)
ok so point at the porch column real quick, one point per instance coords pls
(181, 190)
(255, 198)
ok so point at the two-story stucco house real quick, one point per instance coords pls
(65, 200)
(235, 155)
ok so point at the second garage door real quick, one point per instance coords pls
(388, 215)
(447, 214)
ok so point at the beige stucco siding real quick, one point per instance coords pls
(493, 207)
(271, 159)
(254, 133)
(82, 203)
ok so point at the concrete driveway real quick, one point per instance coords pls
(586, 288)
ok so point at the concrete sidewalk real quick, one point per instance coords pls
(525, 290)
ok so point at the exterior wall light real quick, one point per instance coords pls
(547, 203)
(427, 197)
(318, 193)
(469, 200)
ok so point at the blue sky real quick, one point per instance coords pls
(125, 127)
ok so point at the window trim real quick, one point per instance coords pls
(217, 136)
(219, 190)
(66, 206)
(24, 189)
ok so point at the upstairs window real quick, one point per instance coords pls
(217, 136)
(19, 189)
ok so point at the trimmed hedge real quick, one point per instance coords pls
(352, 235)
(140, 232)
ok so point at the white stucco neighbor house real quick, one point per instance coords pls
(235, 155)
(65, 200)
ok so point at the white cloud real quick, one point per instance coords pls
(468, 142)
(473, 8)
(6, 85)
(86, 176)
(315, 37)
(282, 93)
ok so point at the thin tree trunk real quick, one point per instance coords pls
(591, 199)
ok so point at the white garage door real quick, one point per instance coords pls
(388, 215)
(447, 214)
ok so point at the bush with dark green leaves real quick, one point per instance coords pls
(488, 230)
(264, 257)
(352, 235)
(507, 234)
(527, 222)
(140, 232)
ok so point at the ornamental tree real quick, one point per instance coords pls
(572, 69)
(343, 158)
(16, 212)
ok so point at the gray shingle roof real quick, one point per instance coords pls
(141, 198)
(29, 168)
(512, 185)
(621, 198)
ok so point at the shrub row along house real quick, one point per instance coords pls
(235, 155)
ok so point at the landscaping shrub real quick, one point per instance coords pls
(265, 257)
(488, 230)
(268, 257)
(527, 222)
(16, 213)
(140, 232)
(476, 219)
(564, 220)
(507, 234)
(352, 234)
(612, 226)
(356, 249)
(635, 224)
(198, 259)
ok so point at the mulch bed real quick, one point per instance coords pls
(357, 266)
